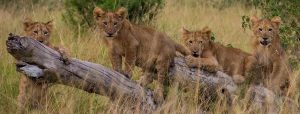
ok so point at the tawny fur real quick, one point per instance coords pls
(140, 46)
(214, 56)
(270, 64)
(33, 94)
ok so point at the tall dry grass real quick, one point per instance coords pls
(191, 14)
(194, 15)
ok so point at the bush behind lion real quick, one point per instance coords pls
(78, 12)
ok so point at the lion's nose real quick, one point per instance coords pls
(265, 38)
(195, 54)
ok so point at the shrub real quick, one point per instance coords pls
(79, 12)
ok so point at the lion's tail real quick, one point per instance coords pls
(182, 49)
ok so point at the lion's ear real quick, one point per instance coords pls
(253, 20)
(184, 31)
(207, 32)
(122, 12)
(27, 23)
(98, 12)
(276, 20)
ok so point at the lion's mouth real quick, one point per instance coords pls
(264, 42)
(110, 35)
(196, 55)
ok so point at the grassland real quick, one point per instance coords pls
(226, 25)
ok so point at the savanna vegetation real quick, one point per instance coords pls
(74, 29)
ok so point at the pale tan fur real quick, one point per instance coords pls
(210, 55)
(271, 61)
(140, 46)
(33, 94)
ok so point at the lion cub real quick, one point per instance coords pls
(33, 93)
(210, 55)
(144, 47)
(271, 61)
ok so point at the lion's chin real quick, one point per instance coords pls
(109, 37)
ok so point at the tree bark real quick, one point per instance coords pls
(43, 63)
(40, 62)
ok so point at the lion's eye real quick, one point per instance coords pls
(190, 41)
(270, 29)
(201, 42)
(46, 33)
(115, 23)
(35, 32)
(260, 29)
(105, 23)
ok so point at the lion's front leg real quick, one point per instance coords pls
(116, 61)
(209, 63)
(278, 80)
(32, 95)
(130, 59)
(192, 61)
(64, 53)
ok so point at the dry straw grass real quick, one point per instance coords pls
(191, 14)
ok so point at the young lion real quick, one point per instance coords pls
(33, 93)
(271, 60)
(144, 47)
(208, 54)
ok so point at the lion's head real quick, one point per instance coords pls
(110, 23)
(265, 30)
(38, 30)
(196, 41)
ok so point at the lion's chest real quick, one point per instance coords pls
(265, 61)
(138, 51)
(264, 56)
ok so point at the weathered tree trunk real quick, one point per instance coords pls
(43, 63)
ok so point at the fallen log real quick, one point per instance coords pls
(43, 63)
(40, 62)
